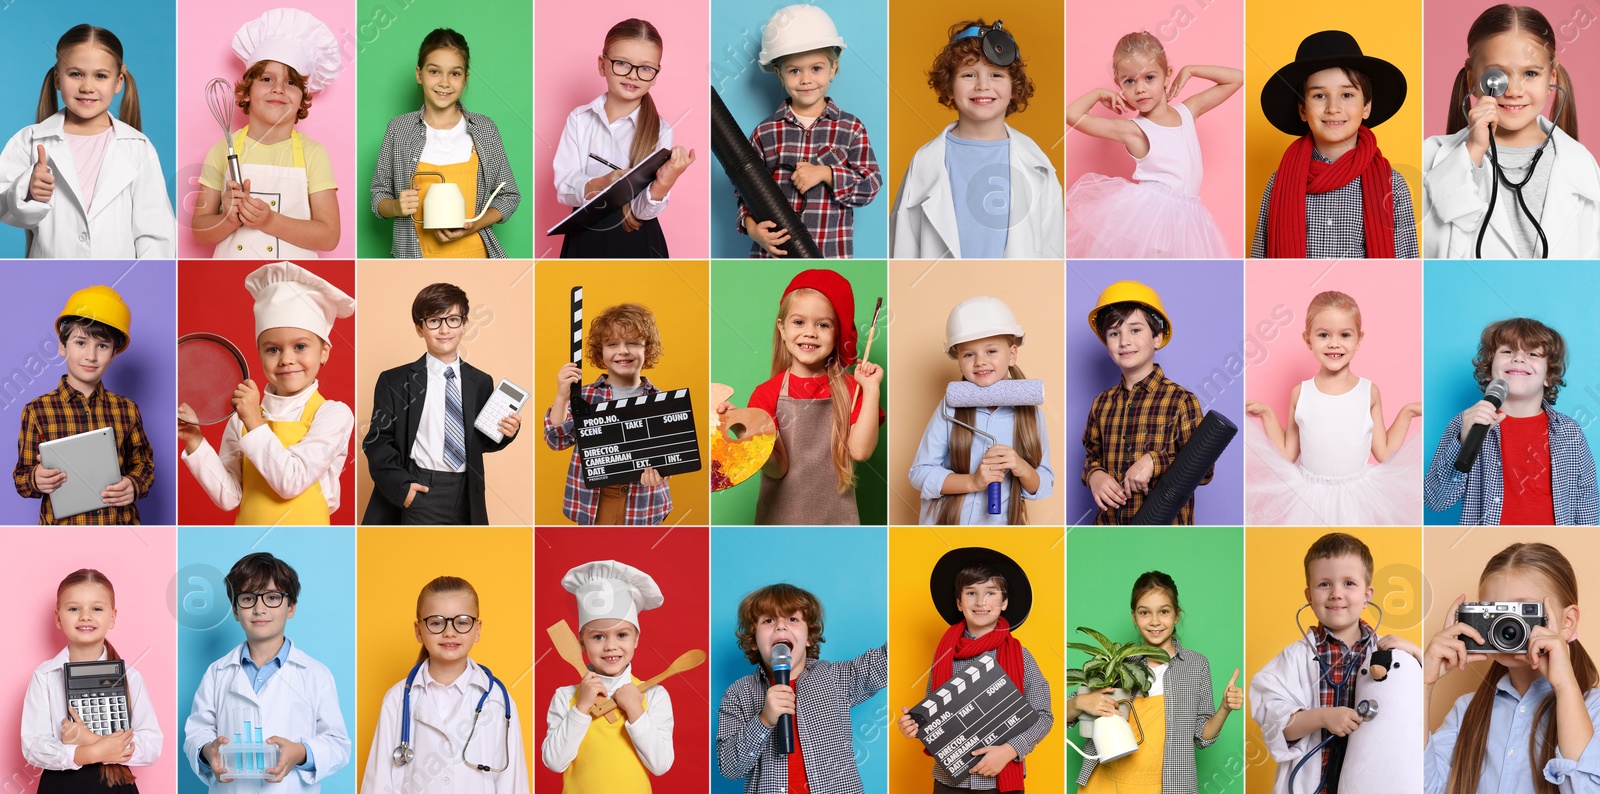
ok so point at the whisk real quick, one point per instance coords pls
(219, 97)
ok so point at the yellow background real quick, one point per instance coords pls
(915, 628)
(920, 30)
(1275, 585)
(393, 564)
(1387, 30)
(679, 293)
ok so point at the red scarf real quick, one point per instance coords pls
(955, 645)
(1299, 174)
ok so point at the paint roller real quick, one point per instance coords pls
(749, 174)
(1180, 479)
(1008, 392)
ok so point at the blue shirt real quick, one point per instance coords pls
(1507, 769)
(980, 189)
(1481, 491)
(931, 465)
(259, 676)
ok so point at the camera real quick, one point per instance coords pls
(1505, 625)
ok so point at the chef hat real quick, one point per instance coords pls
(294, 38)
(289, 296)
(611, 590)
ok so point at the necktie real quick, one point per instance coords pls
(455, 439)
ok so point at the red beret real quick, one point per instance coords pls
(837, 290)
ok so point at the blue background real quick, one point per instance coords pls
(147, 31)
(751, 94)
(1460, 298)
(323, 625)
(846, 568)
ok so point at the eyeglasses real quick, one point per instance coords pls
(437, 623)
(270, 600)
(623, 69)
(453, 321)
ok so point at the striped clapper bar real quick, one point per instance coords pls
(978, 707)
(618, 440)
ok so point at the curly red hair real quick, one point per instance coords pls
(1522, 333)
(625, 321)
(241, 89)
(780, 600)
(961, 52)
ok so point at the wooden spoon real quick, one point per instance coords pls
(688, 661)
(568, 648)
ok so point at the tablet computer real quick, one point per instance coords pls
(90, 461)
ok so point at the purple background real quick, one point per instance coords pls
(146, 372)
(1206, 302)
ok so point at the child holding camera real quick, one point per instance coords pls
(1530, 725)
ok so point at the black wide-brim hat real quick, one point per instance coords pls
(942, 583)
(1280, 97)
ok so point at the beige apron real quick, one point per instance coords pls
(809, 493)
(284, 188)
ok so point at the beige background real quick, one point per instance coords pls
(1453, 557)
(923, 295)
(498, 340)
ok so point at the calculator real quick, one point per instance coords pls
(98, 691)
(506, 400)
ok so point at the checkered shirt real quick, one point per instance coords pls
(1037, 691)
(1332, 651)
(1481, 491)
(836, 139)
(1334, 221)
(646, 506)
(65, 412)
(1155, 416)
(402, 148)
(1189, 704)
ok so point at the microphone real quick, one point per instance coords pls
(1496, 395)
(781, 662)
(1493, 82)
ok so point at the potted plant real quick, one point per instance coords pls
(1118, 665)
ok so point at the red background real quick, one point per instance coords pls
(678, 558)
(212, 297)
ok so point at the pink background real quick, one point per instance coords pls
(1213, 36)
(141, 563)
(1389, 294)
(206, 32)
(1444, 49)
(565, 78)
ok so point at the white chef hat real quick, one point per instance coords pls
(611, 590)
(289, 296)
(292, 37)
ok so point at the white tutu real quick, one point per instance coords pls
(1112, 218)
(1281, 493)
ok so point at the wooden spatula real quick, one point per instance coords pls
(688, 661)
(570, 651)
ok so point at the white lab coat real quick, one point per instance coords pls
(1288, 684)
(1453, 204)
(441, 721)
(651, 734)
(45, 706)
(923, 222)
(299, 702)
(131, 216)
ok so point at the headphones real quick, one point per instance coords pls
(998, 45)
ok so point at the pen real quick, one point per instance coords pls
(603, 161)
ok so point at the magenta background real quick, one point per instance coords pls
(1444, 50)
(1390, 296)
(140, 562)
(565, 78)
(1213, 36)
(206, 30)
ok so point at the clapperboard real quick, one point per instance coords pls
(978, 707)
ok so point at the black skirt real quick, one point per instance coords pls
(607, 239)
(85, 780)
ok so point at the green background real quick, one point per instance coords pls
(744, 306)
(499, 85)
(1207, 565)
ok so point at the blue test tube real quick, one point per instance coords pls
(261, 757)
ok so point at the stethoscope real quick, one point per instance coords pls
(1494, 83)
(403, 753)
(1349, 668)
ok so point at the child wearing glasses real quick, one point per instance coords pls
(288, 696)
(424, 454)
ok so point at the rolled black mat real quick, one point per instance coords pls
(749, 174)
(1187, 470)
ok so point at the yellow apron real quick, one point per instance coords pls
(468, 246)
(606, 759)
(1139, 773)
(259, 505)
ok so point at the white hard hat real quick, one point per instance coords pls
(980, 318)
(795, 29)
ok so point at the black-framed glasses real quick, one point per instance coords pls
(453, 321)
(437, 623)
(271, 600)
(624, 69)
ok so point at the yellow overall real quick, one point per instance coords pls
(1139, 773)
(469, 246)
(606, 762)
(260, 505)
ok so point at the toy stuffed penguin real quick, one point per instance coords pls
(1385, 753)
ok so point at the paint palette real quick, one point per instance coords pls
(741, 441)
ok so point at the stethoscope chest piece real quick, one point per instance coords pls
(403, 754)
(1367, 709)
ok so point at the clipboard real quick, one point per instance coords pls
(90, 461)
(613, 198)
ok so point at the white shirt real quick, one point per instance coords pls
(45, 706)
(587, 132)
(651, 734)
(318, 458)
(441, 721)
(447, 147)
(427, 451)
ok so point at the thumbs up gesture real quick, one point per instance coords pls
(43, 184)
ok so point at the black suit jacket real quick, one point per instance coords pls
(396, 411)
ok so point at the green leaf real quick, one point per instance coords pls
(1105, 643)
(1093, 651)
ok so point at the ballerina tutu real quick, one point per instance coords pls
(1281, 493)
(1170, 224)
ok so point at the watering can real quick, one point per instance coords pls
(1113, 736)
(444, 207)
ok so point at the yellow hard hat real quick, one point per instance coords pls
(103, 305)
(1132, 292)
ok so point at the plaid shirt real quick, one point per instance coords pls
(579, 502)
(836, 139)
(402, 148)
(1189, 703)
(1335, 655)
(65, 412)
(1155, 416)
(1481, 491)
(1334, 221)
(824, 694)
